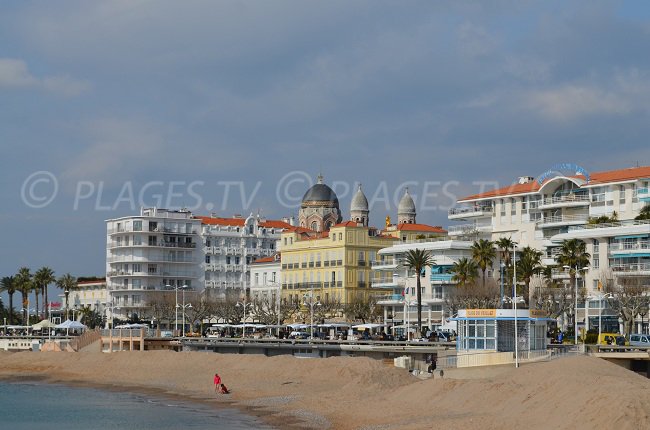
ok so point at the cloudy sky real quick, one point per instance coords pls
(233, 106)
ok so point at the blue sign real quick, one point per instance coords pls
(563, 169)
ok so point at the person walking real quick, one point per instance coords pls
(217, 383)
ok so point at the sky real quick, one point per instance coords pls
(234, 107)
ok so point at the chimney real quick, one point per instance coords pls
(525, 179)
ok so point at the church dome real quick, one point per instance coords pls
(359, 201)
(406, 204)
(320, 192)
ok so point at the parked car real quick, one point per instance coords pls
(640, 340)
(613, 339)
(299, 335)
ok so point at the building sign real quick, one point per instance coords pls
(563, 169)
(481, 313)
(538, 313)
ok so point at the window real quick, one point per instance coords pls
(621, 194)
(524, 204)
(152, 268)
(314, 226)
(227, 259)
(237, 259)
(596, 262)
(137, 239)
(340, 236)
(513, 207)
(137, 225)
(257, 279)
(598, 195)
(137, 283)
(137, 268)
(596, 246)
(207, 259)
(502, 205)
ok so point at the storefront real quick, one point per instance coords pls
(493, 330)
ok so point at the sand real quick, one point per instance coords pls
(361, 393)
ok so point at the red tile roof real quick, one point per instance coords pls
(239, 222)
(595, 179)
(421, 227)
(270, 259)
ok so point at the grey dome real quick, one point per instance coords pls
(320, 193)
(359, 201)
(406, 204)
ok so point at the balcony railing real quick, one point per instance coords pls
(563, 219)
(470, 210)
(387, 262)
(631, 268)
(626, 223)
(441, 277)
(629, 246)
(566, 198)
(468, 229)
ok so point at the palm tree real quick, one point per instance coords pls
(529, 265)
(9, 286)
(24, 284)
(505, 245)
(483, 253)
(573, 254)
(417, 260)
(644, 214)
(66, 282)
(464, 271)
(42, 278)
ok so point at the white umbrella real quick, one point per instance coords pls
(67, 324)
(43, 324)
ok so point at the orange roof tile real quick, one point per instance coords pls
(421, 227)
(270, 259)
(595, 179)
(239, 222)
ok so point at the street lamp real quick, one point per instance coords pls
(184, 306)
(514, 299)
(642, 313)
(311, 303)
(243, 305)
(600, 298)
(176, 288)
(575, 311)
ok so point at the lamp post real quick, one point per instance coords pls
(575, 310)
(184, 306)
(501, 266)
(311, 303)
(642, 313)
(514, 300)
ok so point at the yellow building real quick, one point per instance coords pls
(334, 264)
(333, 260)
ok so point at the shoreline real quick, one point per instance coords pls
(218, 402)
(360, 393)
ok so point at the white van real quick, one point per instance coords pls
(640, 340)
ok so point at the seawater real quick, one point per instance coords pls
(36, 406)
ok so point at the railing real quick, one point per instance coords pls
(567, 198)
(629, 246)
(468, 228)
(464, 210)
(631, 267)
(385, 262)
(626, 223)
(441, 277)
(558, 219)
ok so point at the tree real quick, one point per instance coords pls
(9, 286)
(644, 214)
(529, 265)
(417, 260)
(24, 285)
(573, 254)
(505, 245)
(483, 253)
(628, 298)
(464, 271)
(473, 295)
(66, 282)
(42, 279)
(90, 317)
(362, 308)
(163, 307)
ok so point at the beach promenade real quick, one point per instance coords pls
(362, 393)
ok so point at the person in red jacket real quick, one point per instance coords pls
(217, 383)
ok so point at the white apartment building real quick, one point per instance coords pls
(161, 250)
(399, 301)
(231, 245)
(266, 278)
(150, 253)
(542, 213)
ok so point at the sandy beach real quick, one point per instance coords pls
(361, 393)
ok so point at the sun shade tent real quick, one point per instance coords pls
(43, 324)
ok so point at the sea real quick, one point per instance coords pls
(36, 406)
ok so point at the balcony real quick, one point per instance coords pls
(389, 299)
(562, 220)
(560, 274)
(466, 212)
(632, 269)
(441, 278)
(644, 194)
(565, 201)
(388, 283)
(385, 264)
(629, 248)
(467, 229)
